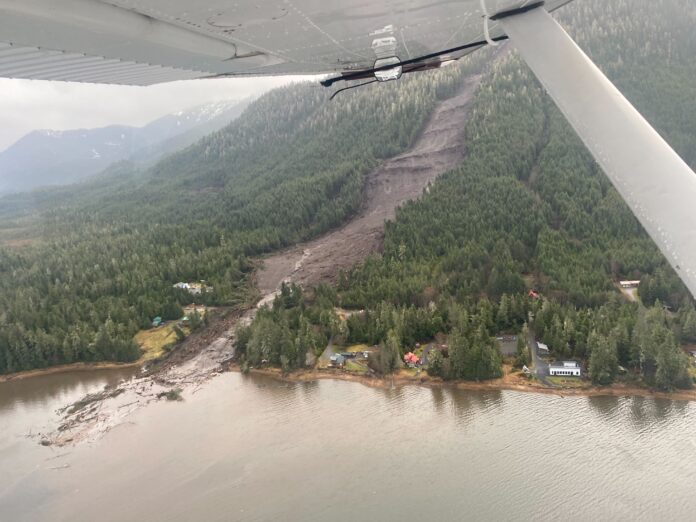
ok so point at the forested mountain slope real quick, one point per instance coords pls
(49, 157)
(109, 251)
(529, 208)
(529, 185)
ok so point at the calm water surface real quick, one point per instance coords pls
(249, 448)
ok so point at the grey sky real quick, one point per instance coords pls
(26, 105)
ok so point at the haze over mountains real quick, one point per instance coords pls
(49, 157)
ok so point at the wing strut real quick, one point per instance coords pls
(657, 184)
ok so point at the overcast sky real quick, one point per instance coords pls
(26, 105)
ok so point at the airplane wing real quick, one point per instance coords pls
(658, 186)
(140, 42)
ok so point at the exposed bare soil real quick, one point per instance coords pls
(440, 147)
(202, 355)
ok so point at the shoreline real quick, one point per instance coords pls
(218, 316)
(616, 390)
(72, 367)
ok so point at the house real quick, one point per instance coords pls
(565, 368)
(337, 361)
(157, 321)
(411, 359)
(629, 284)
(533, 294)
(542, 348)
(193, 288)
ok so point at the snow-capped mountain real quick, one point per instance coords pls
(49, 157)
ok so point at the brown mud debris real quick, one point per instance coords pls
(440, 147)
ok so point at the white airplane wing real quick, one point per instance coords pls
(140, 42)
(655, 182)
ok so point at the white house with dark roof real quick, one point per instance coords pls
(565, 369)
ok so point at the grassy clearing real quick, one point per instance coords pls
(153, 341)
(17, 238)
(631, 294)
(353, 367)
(567, 382)
(18, 231)
(356, 348)
(410, 372)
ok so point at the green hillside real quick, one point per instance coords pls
(529, 208)
(104, 254)
(83, 268)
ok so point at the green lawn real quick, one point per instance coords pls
(153, 341)
(567, 382)
(354, 367)
(356, 348)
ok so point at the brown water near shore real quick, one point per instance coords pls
(519, 385)
(69, 368)
(310, 446)
(440, 147)
(253, 448)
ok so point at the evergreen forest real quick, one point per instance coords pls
(528, 209)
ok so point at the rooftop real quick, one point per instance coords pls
(564, 364)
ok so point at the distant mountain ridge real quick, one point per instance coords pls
(50, 157)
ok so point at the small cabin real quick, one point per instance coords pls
(337, 361)
(193, 288)
(157, 321)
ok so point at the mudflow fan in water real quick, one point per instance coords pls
(141, 42)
